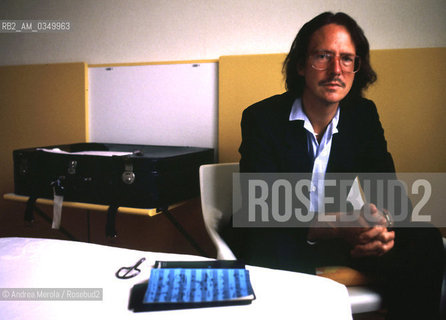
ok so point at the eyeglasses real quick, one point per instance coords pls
(348, 62)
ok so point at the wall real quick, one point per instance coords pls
(40, 105)
(410, 96)
(107, 31)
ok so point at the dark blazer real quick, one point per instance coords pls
(272, 143)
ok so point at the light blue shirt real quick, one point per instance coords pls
(320, 153)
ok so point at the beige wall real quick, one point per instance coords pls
(107, 31)
(39, 105)
(410, 96)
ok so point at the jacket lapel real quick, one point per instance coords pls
(296, 157)
(342, 158)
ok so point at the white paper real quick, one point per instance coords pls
(355, 196)
(90, 153)
(57, 211)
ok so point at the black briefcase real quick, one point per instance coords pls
(138, 176)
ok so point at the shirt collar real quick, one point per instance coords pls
(297, 113)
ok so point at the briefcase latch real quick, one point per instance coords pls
(128, 177)
(72, 165)
(24, 167)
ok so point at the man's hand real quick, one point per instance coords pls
(373, 242)
(370, 241)
(368, 235)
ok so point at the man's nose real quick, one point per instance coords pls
(335, 65)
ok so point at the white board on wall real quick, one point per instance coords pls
(168, 104)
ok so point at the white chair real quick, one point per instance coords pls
(216, 201)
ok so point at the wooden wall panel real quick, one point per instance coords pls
(410, 96)
(40, 105)
(242, 81)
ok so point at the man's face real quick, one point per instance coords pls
(331, 85)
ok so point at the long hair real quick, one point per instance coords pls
(297, 56)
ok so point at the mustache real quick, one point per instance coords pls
(337, 80)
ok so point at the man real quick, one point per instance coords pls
(322, 124)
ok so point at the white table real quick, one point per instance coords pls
(44, 263)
